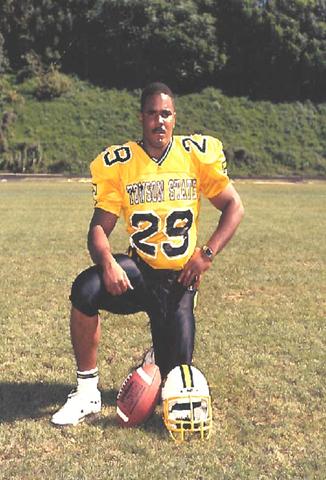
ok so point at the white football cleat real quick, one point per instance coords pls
(77, 407)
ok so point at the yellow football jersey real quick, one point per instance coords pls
(160, 198)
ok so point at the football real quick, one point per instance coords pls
(138, 395)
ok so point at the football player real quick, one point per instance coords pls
(156, 185)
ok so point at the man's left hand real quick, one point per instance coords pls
(194, 268)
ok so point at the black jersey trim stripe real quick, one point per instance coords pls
(166, 153)
(160, 160)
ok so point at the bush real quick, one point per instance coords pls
(52, 84)
(61, 166)
(3, 143)
(32, 68)
(4, 63)
(243, 160)
(22, 157)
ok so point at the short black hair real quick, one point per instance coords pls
(152, 89)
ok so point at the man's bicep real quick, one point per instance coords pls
(107, 220)
(229, 194)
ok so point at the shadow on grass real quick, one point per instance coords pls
(37, 400)
(19, 401)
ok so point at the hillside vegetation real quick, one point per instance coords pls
(62, 134)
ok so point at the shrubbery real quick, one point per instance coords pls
(52, 84)
(22, 157)
(243, 161)
(25, 156)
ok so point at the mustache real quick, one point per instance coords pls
(158, 130)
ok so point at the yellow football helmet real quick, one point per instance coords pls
(187, 407)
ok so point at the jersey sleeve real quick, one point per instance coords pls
(106, 184)
(213, 171)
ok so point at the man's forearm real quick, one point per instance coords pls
(99, 246)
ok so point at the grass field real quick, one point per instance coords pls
(260, 341)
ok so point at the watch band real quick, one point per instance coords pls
(207, 252)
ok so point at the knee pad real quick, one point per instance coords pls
(86, 291)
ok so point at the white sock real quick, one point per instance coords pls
(87, 380)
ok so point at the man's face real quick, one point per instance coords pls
(158, 120)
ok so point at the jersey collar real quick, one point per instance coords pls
(161, 159)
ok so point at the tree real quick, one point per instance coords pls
(262, 48)
(131, 42)
(3, 56)
(276, 48)
(44, 27)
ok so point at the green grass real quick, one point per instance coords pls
(262, 138)
(260, 342)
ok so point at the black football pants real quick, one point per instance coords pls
(168, 304)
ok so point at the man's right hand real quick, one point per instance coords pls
(115, 278)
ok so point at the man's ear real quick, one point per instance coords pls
(175, 118)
